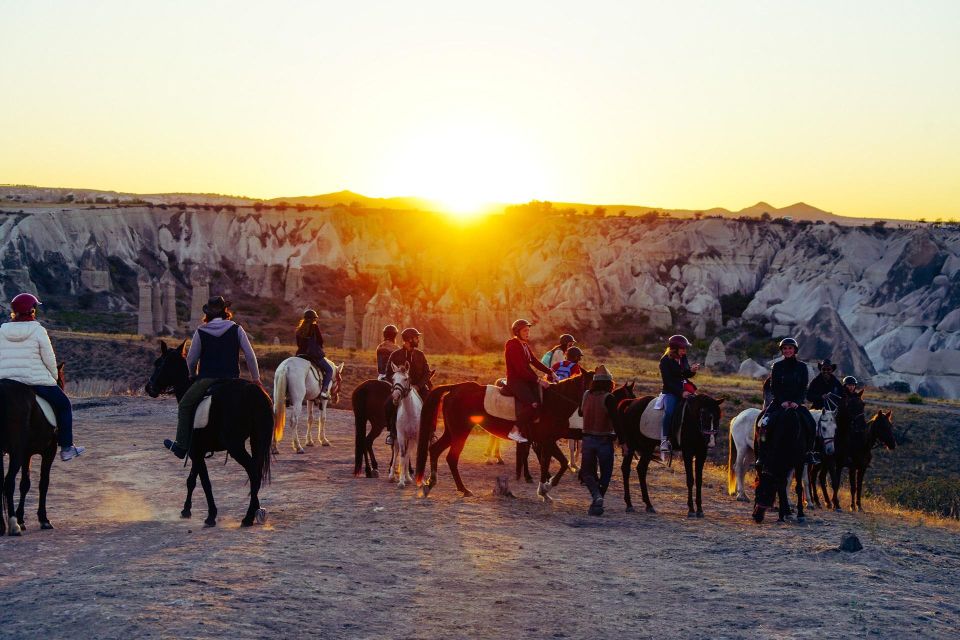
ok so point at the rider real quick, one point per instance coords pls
(849, 387)
(26, 356)
(557, 353)
(823, 385)
(385, 349)
(788, 381)
(522, 381)
(419, 371)
(570, 365)
(310, 347)
(214, 355)
(599, 409)
(675, 371)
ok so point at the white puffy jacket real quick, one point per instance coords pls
(26, 354)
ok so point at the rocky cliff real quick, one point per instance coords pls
(882, 301)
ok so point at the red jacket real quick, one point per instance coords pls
(519, 359)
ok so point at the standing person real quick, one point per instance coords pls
(419, 371)
(556, 354)
(824, 385)
(570, 365)
(598, 409)
(522, 379)
(214, 355)
(385, 349)
(26, 356)
(789, 383)
(310, 347)
(675, 372)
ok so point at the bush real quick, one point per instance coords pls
(934, 495)
(732, 305)
(914, 398)
(898, 387)
(600, 351)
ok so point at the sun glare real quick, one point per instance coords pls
(464, 169)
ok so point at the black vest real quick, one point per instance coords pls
(220, 356)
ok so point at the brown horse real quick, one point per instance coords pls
(463, 409)
(861, 438)
(369, 401)
(24, 432)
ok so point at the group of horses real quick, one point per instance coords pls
(241, 410)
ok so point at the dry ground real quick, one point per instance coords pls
(357, 558)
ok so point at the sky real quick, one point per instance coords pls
(850, 106)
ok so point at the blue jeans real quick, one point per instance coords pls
(669, 405)
(597, 450)
(327, 372)
(61, 409)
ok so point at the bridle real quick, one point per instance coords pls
(829, 406)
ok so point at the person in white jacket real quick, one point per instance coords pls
(26, 356)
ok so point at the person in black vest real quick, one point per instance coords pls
(214, 355)
(385, 349)
(598, 408)
(310, 347)
(823, 385)
(789, 382)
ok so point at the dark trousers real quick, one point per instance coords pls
(62, 409)
(326, 371)
(597, 450)
(526, 395)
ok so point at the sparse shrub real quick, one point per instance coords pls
(898, 386)
(934, 495)
(914, 398)
(601, 351)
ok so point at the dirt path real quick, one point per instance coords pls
(357, 558)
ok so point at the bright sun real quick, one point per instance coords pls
(464, 169)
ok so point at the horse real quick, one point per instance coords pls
(861, 437)
(783, 453)
(298, 379)
(24, 432)
(240, 410)
(695, 420)
(826, 448)
(409, 405)
(463, 408)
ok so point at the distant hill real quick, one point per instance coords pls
(349, 197)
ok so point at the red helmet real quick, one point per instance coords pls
(23, 303)
(679, 342)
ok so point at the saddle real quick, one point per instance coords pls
(498, 402)
(47, 411)
(651, 422)
(201, 416)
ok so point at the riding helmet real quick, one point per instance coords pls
(678, 342)
(409, 334)
(567, 339)
(310, 314)
(789, 342)
(826, 363)
(519, 324)
(23, 303)
(390, 332)
(574, 354)
(850, 380)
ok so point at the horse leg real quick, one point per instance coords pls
(295, 413)
(853, 488)
(394, 455)
(239, 453)
(688, 472)
(740, 470)
(13, 527)
(24, 489)
(574, 446)
(201, 465)
(402, 446)
(813, 472)
(543, 489)
(435, 450)
(453, 459)
(701, 460)
(800, 475)
(322, 426)
(191, 485)
(625, 471)
(3, 497)
(310, 442)
(554, 450)
(46, 462)
(860, 473)
(642, 467)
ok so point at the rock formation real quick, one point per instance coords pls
(350, 325)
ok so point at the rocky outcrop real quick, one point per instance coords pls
(753, 369)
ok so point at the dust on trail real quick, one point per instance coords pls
(358, 558)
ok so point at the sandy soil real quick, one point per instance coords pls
(357, 558)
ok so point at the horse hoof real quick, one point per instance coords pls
(260, 516)
(246, 522)
(691, 514)
(499, 460)
(699, 514)
(467, 493)
(46, 526)
(300, 450)
(185, 513)
(23, 527)
(374, 474)
(529, 480)
(651, 510)
(801, 519)
(838, 509)
(310, 444)
(325, 443)
(630, 509)
(743, 499)
(210, 521)
(274, 451)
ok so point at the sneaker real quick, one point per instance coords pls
(324, 395)
(389, 440)
(71, 452)
(177, 450)
(516, 436)
(664, 451)
(596, 507)
(712, 442)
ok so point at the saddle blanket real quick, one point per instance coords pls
(47, 411)
(651, 421)
(576, 421)
(202, 415)
(498, 405)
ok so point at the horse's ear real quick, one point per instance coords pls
(163, 347)
(860, 393)
(889, 413)
(340, 368)
(394, 367)
(433, 372)
(60, 366)
(721, 399)
(182, 347)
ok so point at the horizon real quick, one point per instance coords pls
(691, 106)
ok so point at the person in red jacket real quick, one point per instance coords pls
(522, 380)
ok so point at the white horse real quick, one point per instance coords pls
(299, 380)
(741, 454)
(408, 403)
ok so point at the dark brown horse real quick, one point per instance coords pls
(369, 401)
(463, 409)
(24, 432)
(860, 438)
(240, 410)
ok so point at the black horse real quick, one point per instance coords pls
(695, 420)
(369, 402)
(783, 451)
(860, 438)
(240, 410)
(24, 432)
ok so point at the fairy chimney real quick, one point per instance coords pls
(157, 304)
(350, 325)
(199, 294)
(168, 286)
(145, 306)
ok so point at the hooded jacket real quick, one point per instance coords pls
(26, 354)
(217, 328)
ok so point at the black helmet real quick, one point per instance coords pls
(567, 339)
(310, 314)
(519, 324)
(850, 380)
(678, 342)
(825, 363)
(574, 354)
(390, 332)
(789, 342)
(409, 334)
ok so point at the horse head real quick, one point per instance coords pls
(337, 383)
(827, 428)
(708, 412)
(881, 428)
(401, 383)
(169, 370)
(61, 379)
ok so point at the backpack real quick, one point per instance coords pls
(547, 357)
(564, 369)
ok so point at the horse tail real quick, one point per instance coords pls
(428, 425)
(261, 436)
(731, 459)
(279, 401)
